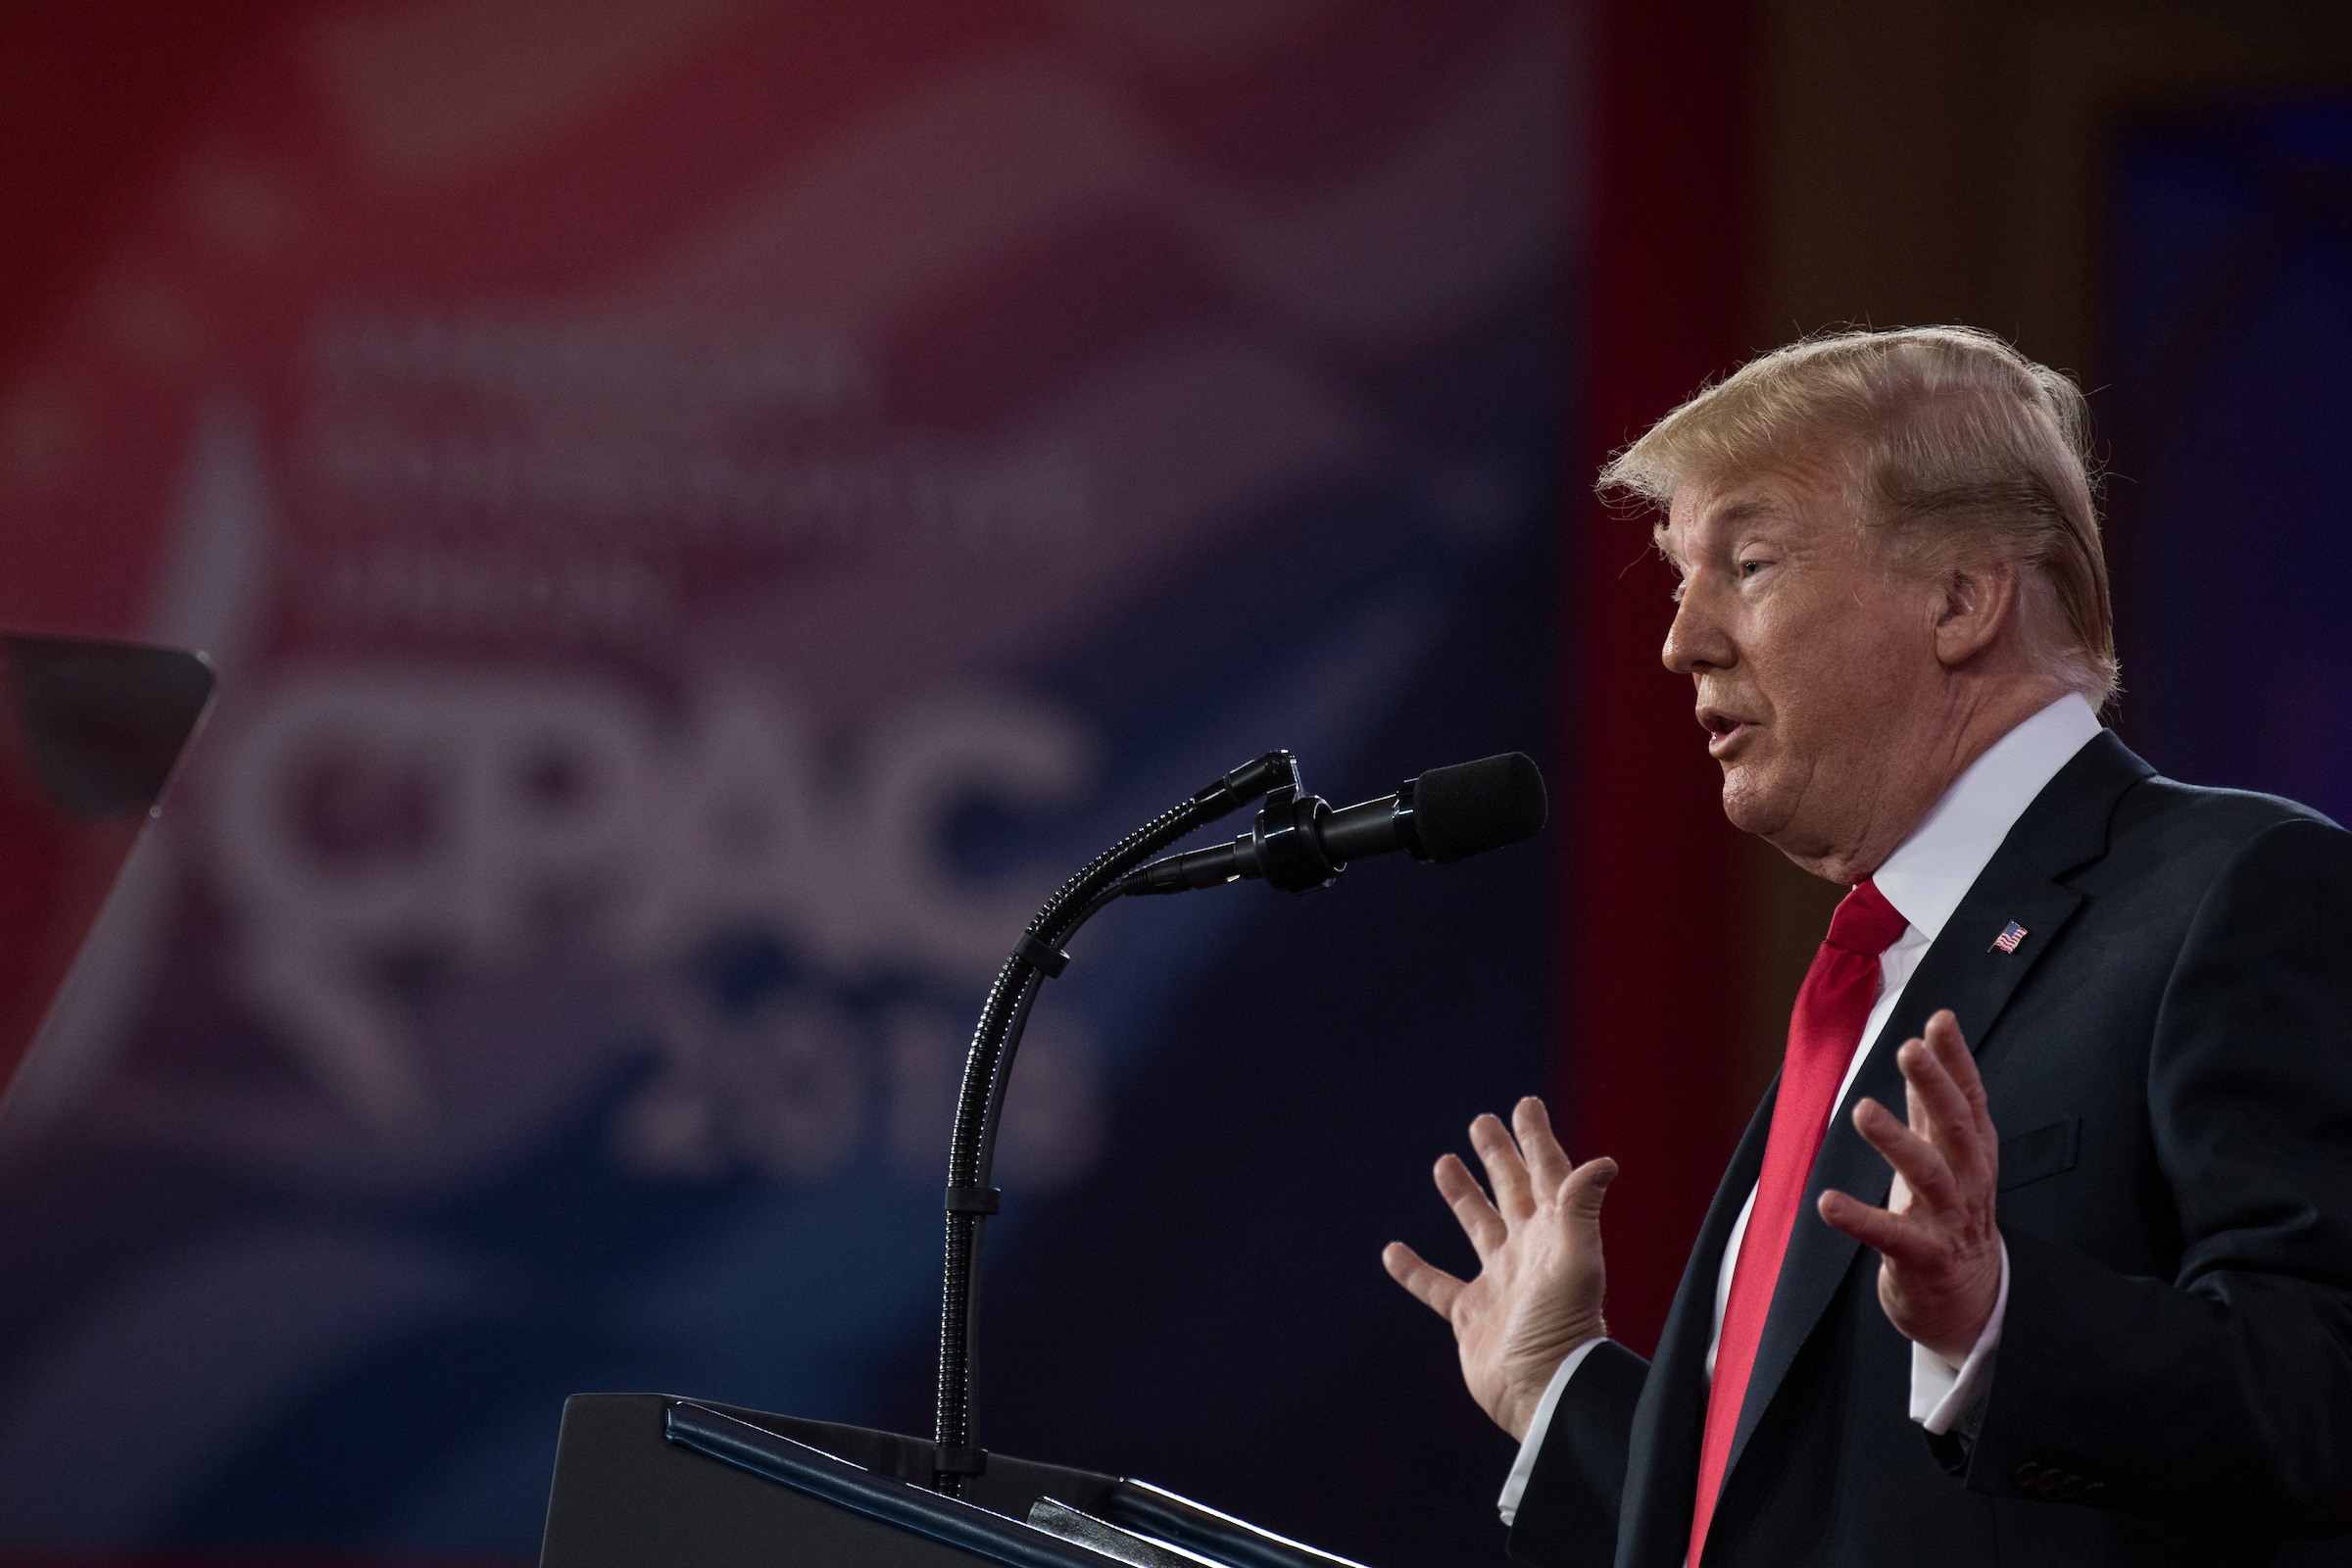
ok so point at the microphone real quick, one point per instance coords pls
(1299, 843)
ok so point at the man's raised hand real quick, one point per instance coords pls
(1938, 1246)
(1537, 1294)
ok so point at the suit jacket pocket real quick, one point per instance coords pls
(2044, 1152)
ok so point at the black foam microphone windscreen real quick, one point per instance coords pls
(1472, 808)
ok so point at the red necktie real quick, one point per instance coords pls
(1827, 1024)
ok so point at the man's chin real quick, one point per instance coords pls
(1749, 804)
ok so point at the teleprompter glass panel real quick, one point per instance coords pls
(90, 734)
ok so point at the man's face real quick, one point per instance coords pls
(1815, 667)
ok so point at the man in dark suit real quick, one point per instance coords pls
(2090, 1302)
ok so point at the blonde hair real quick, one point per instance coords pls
(1956, 445)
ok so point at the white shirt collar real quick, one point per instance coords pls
(1930, 871)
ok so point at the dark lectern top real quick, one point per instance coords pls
(644, 1479)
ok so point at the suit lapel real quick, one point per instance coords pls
(2065, 827)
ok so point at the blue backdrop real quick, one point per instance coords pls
(2231, 326)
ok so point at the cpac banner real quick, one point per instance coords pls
(704, 513)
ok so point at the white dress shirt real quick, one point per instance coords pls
(1924, 879)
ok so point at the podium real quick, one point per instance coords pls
(649, 1479)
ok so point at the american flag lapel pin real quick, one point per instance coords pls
(2010, 935)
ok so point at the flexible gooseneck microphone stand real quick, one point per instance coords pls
(987, 1069)
(1299, 844)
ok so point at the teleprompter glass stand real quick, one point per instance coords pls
(647, 1479)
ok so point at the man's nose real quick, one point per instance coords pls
(1697, 640)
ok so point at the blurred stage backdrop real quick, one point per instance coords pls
(705, 512)
(2231, 319)
(706, 509)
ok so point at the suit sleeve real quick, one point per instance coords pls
(1567, 1518)
(2223, 1394)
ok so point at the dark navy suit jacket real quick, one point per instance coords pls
(2168, 1058)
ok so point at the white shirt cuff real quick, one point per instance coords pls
(1942, 1392)
(1540, 1423)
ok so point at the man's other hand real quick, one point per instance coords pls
(1940, 1251)
(1538, 1288)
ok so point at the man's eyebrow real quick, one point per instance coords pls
(1750, 507)
(1744, 508)
(1665, 542)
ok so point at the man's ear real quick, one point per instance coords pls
(1977, 600)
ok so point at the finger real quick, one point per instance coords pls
(1919, 1163)
(1952, 1120)
(1581, 1192)
(1943, 1033)
(1546, 1161)
(1431, 1285)
(1471, 1210)
(1506, 1172)
(1890, 1235)
(1915, 1116)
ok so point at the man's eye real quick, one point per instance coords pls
(1748, 569)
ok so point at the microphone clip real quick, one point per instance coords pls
(1284, 848)
(1288, 841)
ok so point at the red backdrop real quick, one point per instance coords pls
(1652, 937)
